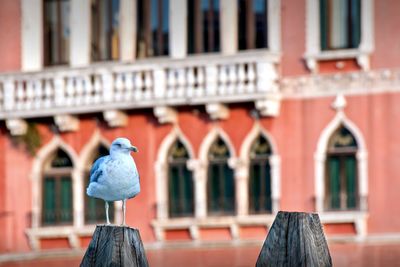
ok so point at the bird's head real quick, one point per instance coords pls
(122, 146)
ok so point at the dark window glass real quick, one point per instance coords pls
(95, 208)
(341, 172)
(152, 28)
(252, 24)
(203, 26)
(340, 24)
(57, 191)
(180, 182)
(56, 32)
(260, 177)
(105, 30)
(220, 184)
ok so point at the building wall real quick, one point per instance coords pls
(295, 131)
(10, 35)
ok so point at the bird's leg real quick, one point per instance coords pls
(123, 211)
(108, 219)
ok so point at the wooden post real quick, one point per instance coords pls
(295, 239)
(115, 246)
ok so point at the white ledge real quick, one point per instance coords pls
(70, 232)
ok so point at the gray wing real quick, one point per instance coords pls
(95, 172)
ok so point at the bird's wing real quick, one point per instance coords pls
(95, 172)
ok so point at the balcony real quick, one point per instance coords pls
(197, 80)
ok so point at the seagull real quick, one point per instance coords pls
(115, 177)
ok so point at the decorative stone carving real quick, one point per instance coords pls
(165, 114)
(17, 127)
(115, 118)
(217, 111)
(340, 103)
(66, 123)
(269, 106)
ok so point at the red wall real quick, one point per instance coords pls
(296, 132)
(10, 35)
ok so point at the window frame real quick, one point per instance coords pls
(96, 43)
(314, 54)
(57, 174)
(62, 51)
(181, 165)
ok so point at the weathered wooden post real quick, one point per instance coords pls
(295, 239)
(113, 245)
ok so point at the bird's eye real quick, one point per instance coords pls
(118, 145)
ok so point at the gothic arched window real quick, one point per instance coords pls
(260, 177)
(57, 190)
(95, 208)
(341, 171)
(220, 184)
(180, 182)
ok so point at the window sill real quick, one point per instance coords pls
(51, 232)
(358, 218)
(194, 224)
(362, 57)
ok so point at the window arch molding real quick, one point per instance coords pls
(201, 180)
(243, 169)
(36, 177)
(161, 169)
(320, 157)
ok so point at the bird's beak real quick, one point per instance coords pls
(134, 149)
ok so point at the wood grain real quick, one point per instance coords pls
(295, 239)
(115, 246)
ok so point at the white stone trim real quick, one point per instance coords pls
(115, 118)
(17, 127)
(80, 26)
(32, 35)
(243, 170)
(36, 177)
(320, 157)
(178, 28)
(274, 25)
(128, 29)
(161, 170)
(229, 22)
(313, 48)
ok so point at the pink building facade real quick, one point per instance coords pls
(302, 120)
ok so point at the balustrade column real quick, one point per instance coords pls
(159, 83)
(9, 95)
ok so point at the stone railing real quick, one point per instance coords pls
(163, 82)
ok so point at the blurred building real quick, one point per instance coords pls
(239, 109)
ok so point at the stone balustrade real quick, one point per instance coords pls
(119, 86)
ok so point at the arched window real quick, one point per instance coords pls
(340, 24)
(95, 208)
(105, 25)
(220, 185)
(260, 177)
(252, 24)
(180, 182)
(57, 190)
(341, 171)
(203, 26)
